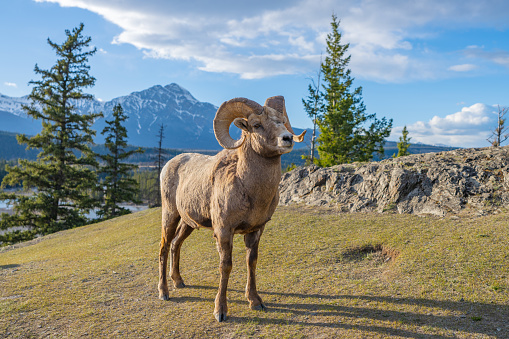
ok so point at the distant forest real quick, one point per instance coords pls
(11, 150)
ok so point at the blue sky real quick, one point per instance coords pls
(438, 67)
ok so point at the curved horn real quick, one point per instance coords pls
(278, 103)
(229, 111)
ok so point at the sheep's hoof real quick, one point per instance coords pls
(180, 285)
(260, 307)
(220, 317)
(164, 297)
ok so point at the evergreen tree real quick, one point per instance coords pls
(119, 186)
(63, 175)
(344, 134)
(3, 171)
(404, 143)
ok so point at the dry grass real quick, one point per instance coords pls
(322, 275)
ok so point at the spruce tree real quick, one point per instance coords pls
(404, 143)
(345, 136)
(118, 185)
(63, 176)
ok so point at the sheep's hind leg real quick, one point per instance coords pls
(183, 231)
(169, 226)
(224, 239)
(252, 240)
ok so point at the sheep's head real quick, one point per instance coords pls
(267, 126)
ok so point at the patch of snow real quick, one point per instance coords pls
(153, 121)
(13, 105)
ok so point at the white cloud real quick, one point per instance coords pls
(263, 38)
(11, 84)
(462, 68)
(500, 57)
(469, 127)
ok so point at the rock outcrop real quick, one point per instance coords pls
(476, 180)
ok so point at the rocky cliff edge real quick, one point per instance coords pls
(474, 180)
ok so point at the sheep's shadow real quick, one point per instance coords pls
(8, 266)
(469, 317)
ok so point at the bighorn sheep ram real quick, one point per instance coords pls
(233, 192)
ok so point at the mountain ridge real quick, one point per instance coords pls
(187, 121)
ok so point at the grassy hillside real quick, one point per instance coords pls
(320, 274)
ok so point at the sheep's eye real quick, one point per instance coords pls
(257, 126)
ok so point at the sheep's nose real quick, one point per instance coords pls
(287, 138)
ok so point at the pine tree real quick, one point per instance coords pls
(119, 186)
(344, 137)
(403, 144)
(63, 175)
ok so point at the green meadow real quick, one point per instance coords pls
(320, 273)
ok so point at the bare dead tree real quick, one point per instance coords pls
(313, 106)
(159, 161)
(313, 138)
(499, 135)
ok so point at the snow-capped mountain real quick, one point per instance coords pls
(187, 121)
(14, 119)
(13, 105)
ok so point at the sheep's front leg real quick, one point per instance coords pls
(183, 231)
(252, 240)
(169, 225)
(224, 239)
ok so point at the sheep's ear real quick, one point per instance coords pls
(242, 124)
